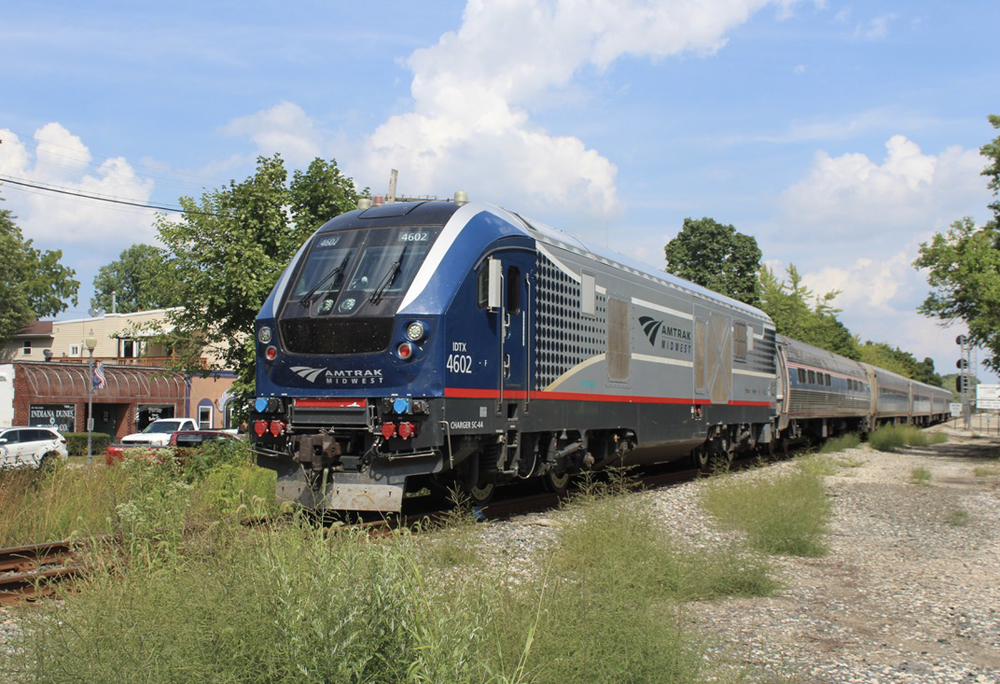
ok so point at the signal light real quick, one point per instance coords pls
(404, 350)
(271, 353)
(388, 430)
(415, 331)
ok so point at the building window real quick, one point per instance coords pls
(204, 417)
(74, 350)
(26, 348)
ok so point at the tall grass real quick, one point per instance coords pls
(66, 502)
(291, 604)
(893, 437)
(91, 500)
(785, 514)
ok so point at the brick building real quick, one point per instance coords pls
(45, 374)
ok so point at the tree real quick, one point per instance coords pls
(141, 279)
(963, 268)
(229, 249)
(800, 314)
(717, 257)
(33, 283)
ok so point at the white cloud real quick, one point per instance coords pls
(875, 29)
(474, 91)
(62, 160)
(909, 193)
(284, 128)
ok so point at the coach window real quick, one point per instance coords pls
(802, 376)
(812, 377)
(513, 289)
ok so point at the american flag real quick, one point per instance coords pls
(100, 382)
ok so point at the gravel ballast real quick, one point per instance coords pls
(909, 591)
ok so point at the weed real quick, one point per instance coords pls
(782, 514)
(958, 518)
(893, 437)
(818, 466)
(920, 476)
(986, 471)
(841, 443)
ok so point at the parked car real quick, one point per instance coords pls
(180, 440)
(158, 432)
(195, 438)
(32, 447)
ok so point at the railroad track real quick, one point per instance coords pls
(27, 572)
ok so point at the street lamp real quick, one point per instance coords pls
(91, 343)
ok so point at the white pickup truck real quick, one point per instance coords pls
(158, 432)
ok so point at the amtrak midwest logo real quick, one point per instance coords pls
(666, 337)
(343, 378)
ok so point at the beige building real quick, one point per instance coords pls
(123, 339)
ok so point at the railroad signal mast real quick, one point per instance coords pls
(964, 380)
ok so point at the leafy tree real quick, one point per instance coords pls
(963, 268)
(891, 359)
(800, 314)
(33, 283)
(140, 279)
(717, 257)
(229, 249)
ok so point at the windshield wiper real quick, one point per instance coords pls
(307, 297)
(389, 277)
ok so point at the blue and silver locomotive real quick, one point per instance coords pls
(451, 344)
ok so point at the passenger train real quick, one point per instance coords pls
(441, 344)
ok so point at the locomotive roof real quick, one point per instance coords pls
(437, 212)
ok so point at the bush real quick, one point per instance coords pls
(893, 437)
(76, 443)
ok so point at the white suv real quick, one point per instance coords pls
(31, 446)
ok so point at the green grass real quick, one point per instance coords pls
(841, 443)
(785, 514)
(289, 603)
(74, 501)
(986, 471)
(958, 518)
(893, 437)
(819, 466)
(920, 476)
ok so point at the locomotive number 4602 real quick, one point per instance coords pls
(414, 237)
(459, 363)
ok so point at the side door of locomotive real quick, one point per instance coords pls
(511, 304)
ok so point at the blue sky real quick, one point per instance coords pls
(840, 135)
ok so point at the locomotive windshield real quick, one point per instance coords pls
(353, 279)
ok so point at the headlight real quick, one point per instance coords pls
(415, 331)
(264, 334)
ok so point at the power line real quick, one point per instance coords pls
(99, 198)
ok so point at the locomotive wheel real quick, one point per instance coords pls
(556, 482)
(700, 458)
(479, 494)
